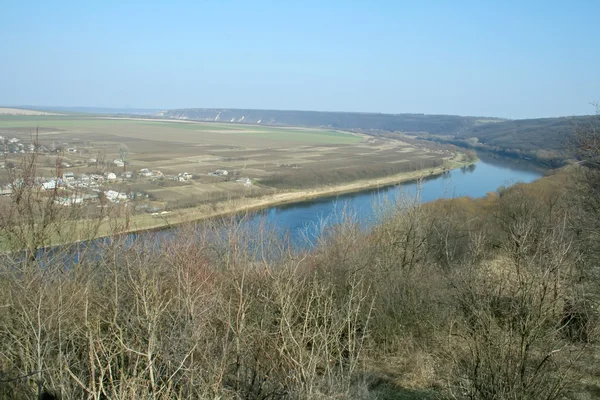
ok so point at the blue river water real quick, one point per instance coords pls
(301, 221)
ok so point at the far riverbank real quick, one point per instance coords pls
(146, 222)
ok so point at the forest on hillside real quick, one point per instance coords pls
(546, 140)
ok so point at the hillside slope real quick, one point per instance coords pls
(434, 124)
(545, 140)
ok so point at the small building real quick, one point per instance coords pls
(245, 181)
(119, 163)
(111, 176)
(145, 172)
(49, 185)
(184, 176)
(115, 196)
(127, 175)
(68, 177)
(69, 201)
(5, 190)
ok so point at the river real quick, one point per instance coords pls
(302, 221)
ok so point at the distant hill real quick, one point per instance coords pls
(434, 124)
(95, 110)
(544, 140)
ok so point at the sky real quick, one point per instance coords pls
(511, 59)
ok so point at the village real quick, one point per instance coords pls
(89, 180)
(162, 166)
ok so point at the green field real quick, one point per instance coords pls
(115, 126)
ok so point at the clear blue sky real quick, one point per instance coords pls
(506, 58)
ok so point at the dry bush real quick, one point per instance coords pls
(485, 301)
(509, 339)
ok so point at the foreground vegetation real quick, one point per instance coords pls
(478, 299)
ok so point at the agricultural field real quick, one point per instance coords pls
(149, 157)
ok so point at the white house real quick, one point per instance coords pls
(111, 176)
(245, 181)
(49, 185)
(119, 163)
(145, 172)
(68, 177)
(184, 176)
(69, 201)
(113, 195)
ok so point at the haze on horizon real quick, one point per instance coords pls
(507, 59)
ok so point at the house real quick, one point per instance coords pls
(119, 163)
(219, 172)
(69, 201)
(115, 196)
(5, 190)
(184, 176)
(245, 181)
(92, 161)
(68, 177)
(111, 176)
(127, 175)
(72, 150)
(49, 185)
(98, 178)
(13, 140)
(111, 195)
(145, 172)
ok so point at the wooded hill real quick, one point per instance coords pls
(545, 140)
